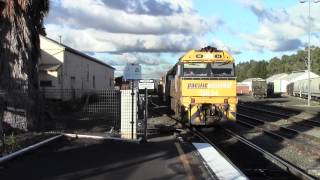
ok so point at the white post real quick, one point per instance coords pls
(309, 47)
(309, 54)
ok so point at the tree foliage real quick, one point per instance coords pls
(285, 64)
(21, 22)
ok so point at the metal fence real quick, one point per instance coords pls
(94, 112)
(82, 111)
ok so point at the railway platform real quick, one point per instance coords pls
(161, 158)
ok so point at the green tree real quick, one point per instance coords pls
(21, 22)
(285, 64)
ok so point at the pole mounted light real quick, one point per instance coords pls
(309, 46)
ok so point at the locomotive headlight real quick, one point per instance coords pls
(193, 100)
(213, 108)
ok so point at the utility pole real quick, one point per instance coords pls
(309, 54)
(309, 47)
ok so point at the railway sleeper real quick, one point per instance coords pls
(298, 144)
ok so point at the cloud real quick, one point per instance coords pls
(149, 7)
(100, 41)
(275, 45)
(221, 45)
(263, 14)
(155, 71)
(280, 30)
(141, 58)
(154, 65)
(149, 17)
(150, 26)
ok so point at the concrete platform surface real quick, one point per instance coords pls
(88, 159)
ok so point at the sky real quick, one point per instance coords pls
(155, 33)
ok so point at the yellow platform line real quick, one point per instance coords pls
(185, 162)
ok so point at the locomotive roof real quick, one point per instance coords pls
(207, 56)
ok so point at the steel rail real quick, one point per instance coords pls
(270, 128)
(202, 137)
(316, 123)
(290, 130)
(283, 164)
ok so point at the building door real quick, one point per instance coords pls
(73, 82)
(73, 87)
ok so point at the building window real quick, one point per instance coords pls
(59, 76)
(73, 82)
(45, 83)
(87, 72)
(93, 81)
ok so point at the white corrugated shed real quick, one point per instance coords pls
(62, 67)
(249, 82)
(281, 81)
(299, 75)
(276, 77)
(279, 85)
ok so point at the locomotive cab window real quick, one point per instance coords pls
(222, 69)
(195, 69)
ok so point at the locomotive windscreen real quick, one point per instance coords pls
(222, 70)
(216, 69)
(195, 69)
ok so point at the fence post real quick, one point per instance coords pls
(145, 114)
(1, 124)
(132, 107)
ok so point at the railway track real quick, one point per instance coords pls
(278, 168)
(305, 122)
(286, 129)
(288, 136)
(287, 123)
(283, 164)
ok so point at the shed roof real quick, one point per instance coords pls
(296, 74)
(69, 49)
(276, 77)
(252, 79)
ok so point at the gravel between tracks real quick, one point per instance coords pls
(310, 163)
(274, 146)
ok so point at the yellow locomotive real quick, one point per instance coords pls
(201, 87)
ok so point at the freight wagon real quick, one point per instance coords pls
(259, 88)
(300, 88)
(242, 89)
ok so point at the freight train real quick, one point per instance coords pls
(259, 88)
(300, 88)
(201, 87)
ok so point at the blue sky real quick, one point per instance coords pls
(155, 33)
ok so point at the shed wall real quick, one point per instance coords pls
(81, 73)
